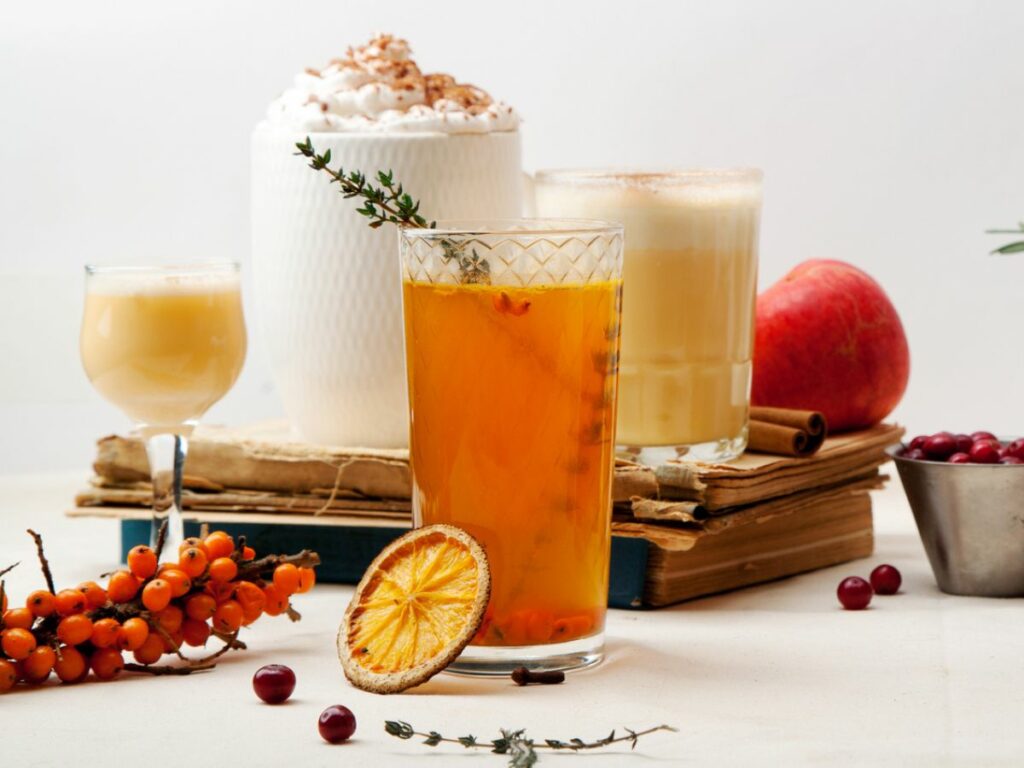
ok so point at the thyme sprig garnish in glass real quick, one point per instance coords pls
(391, 204)
(387, 204)
(520, 749)
(1016, 247)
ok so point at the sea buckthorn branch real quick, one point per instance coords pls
(43, 562)
(151, 609)
(515, 744)
(306, 558)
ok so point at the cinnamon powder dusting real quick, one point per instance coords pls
(386, 59)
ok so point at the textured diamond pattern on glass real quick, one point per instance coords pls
(550, 252)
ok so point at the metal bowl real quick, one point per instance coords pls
(971, 521)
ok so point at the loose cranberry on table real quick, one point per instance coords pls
(854, 593)
(274, 683)
(886, 580)
(337, 724)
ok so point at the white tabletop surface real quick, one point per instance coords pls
(773, 675)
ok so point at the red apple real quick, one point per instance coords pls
(828, 339)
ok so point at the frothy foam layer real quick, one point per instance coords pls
(153, 282)
(662, 211)
(378, 87)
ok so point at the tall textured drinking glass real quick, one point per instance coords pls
(512, 337)
(688, 316)
(163, 344)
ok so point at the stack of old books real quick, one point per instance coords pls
(681, 530)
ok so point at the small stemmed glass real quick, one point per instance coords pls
(163, 344)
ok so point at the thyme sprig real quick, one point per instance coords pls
(520, 749)
(388, 203)
(1016, 247)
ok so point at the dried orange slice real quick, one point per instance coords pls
(418, 605)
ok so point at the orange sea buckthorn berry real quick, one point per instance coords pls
(95, 595)
(200, 607)
(8, 675)
(192, 561)
(38, 665)
(74, 630)
(104, 632)
(219, 544)
(107, 663)
(151, 650)
(195, 633)
(221, 591)
(228, 616)
(193, 542)
(248, 553)
(178, 579)
(17, 644)
(122, 587)
(252, 600)
(307, 578)
(223, 569)
(276, 602)
(69, 602)
(18, 618)
(70, 665)
(41, 603)
(286, 578)
(156, 595)
(173, 641)
(142, 561)
(573, 627)
(132, 634)
(169, 619)
(513, 628)
(540, 626)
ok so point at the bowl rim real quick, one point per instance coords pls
(893, 452)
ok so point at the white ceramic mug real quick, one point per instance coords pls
(328, 288)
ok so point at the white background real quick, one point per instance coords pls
(890, 134)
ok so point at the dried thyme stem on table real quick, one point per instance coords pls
(520, 749)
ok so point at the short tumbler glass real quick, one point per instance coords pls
(512, 338)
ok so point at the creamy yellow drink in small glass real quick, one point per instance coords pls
(689, 287)
(163, 344)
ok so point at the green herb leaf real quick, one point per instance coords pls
(1010, 248)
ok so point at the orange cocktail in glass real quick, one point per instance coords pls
(512, 340)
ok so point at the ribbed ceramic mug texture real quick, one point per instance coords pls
(328, 288)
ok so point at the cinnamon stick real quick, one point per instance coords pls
(785, 431)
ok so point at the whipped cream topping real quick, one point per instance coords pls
(378, 87)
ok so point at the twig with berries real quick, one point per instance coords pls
(152, 609)
(520, 749)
